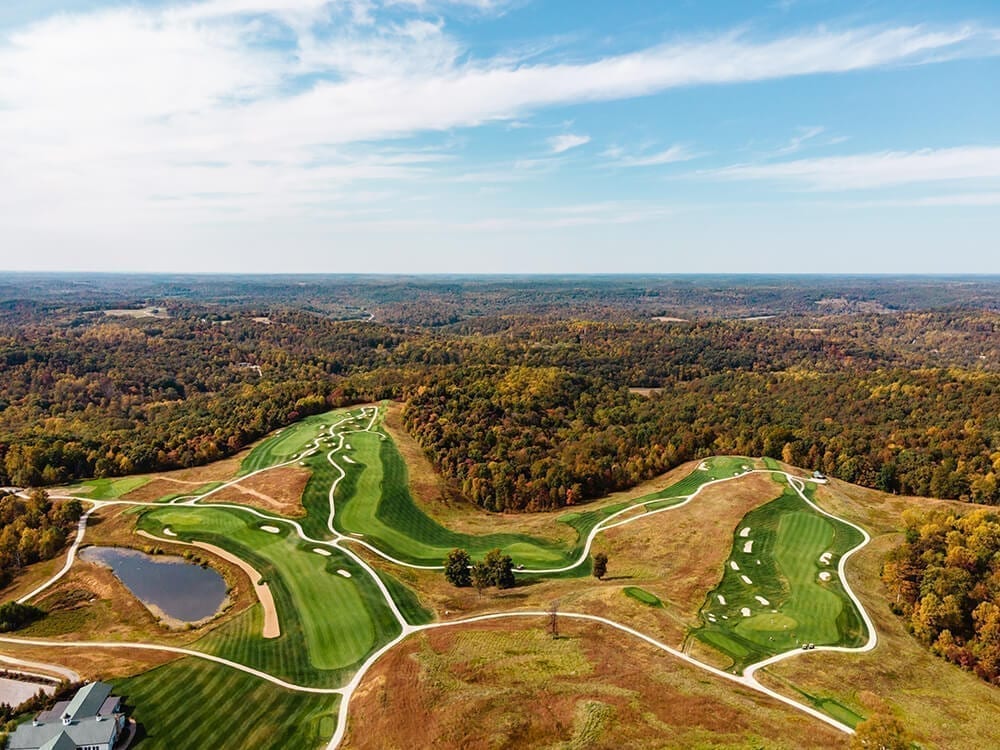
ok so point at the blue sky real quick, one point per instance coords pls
(500, 136)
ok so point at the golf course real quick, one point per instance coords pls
(359, 571)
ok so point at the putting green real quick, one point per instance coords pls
(775, 599)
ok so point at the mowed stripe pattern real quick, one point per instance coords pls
(192, 704)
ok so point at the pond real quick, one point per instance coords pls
(179, 589)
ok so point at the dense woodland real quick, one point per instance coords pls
(946, 581)
(520, 390)
(31, 530)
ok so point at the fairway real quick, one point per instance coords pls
(195, 704)
(291, 441)
(773, 596)
(338, 620)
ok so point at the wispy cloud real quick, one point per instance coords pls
(670, 155)
(209, 104)
(875, 170)
(562, 143)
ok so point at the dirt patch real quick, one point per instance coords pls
(647, 392)
(510, 685)
(276, 490)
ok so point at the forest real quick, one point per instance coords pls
(526, 393)
(946, 581)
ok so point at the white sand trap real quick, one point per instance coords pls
(764, 602)
(721, 598)
(347, 447)
(733, 565)
(725, 617)
(758, 562)
(711, 618)
(271, 529)
(359, 536)
(825, 558)
(321, 551)
(703, 466)
(343, 573)
(745, 611)
(748, 546)
(349, 460)
(824, 576)
(745, 532)
(736, 473)
(167, 531)
(747, 581)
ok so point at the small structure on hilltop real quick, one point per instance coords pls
(93, 720)
(819, 475)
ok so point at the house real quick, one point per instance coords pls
(819, 476)
(93, 720)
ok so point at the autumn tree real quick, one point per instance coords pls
(456, 568)
(882, 731)
(481, 577)
(600, 565)
(501, 569)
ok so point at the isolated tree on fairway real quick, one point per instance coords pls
(501, 569)
(600, 565)
(456, 568)
(481, 577)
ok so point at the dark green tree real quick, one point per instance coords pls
(600, 565)
(501, 569)
(456, 568)
(481, 577)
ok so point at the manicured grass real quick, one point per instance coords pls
(788, 537)
(291, 441)
(374, 500)
(643, 596)
(194, 704)
(329, 623)
(108, 489)
(717, 467)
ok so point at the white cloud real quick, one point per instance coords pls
(562, 143)
(876, 170)
(105, 113)
(671, 155)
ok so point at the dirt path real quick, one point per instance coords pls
(272, 628)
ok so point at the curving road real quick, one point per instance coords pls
(746, 679)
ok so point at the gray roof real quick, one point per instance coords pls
(61, 741)
(88, 731)
(84, 727)
(88, 700)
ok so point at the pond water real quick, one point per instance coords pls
(181, 589)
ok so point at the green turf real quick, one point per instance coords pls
(195, 704)
(374, 500)
(643, 596)
(107, 489)
(329, 623)
(788, 539)
(292, 440)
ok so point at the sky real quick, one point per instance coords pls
(498, 136)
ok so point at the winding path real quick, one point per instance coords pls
(340, 542)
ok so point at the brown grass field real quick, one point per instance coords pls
(277, 490)
(510, 685)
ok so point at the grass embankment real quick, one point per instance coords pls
(195, 704)
(643, 596)
(779, 548)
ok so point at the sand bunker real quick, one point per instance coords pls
(824, 576)
(271, 529)
(764, 602)
(711, 618)
(321, 551)
(721, 598)
(745, 611)
(343, 573)
(733, 565)
(347, 447)
(746, 580)
(745, 532)
(167, 531)
(748, 546)
(349, 460)
(703, 466)
(825, 558)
